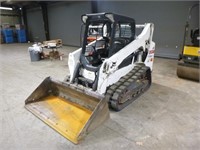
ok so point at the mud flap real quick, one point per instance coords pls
(67, 109)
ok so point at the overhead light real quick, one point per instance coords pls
(6, 8)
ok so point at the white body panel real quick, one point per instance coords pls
(73, 61)
(88, 74)
(109, 72)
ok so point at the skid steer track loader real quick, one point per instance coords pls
(189, 58)
(111, 70)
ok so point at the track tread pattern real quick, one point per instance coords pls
(129, 87)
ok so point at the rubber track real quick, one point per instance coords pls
(129, 87)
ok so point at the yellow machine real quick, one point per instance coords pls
(189, 59)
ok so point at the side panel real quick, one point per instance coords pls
(106, 80)
(190, 50)
(109, 72)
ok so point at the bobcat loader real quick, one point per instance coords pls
(110, 71)
(189, 59)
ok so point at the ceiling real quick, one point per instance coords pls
(27, 4)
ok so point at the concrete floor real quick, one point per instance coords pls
(166, 117)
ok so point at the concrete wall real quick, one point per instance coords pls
(169, 18)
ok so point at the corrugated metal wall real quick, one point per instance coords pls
(169, 18)
(35, 25)
(65, 21)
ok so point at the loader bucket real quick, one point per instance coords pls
(69, 110)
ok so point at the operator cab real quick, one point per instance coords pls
(97, 46)
(104, 35)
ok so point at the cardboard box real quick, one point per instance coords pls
(58, 42)
(5, 26)
(19, 26)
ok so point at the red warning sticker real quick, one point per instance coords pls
(151, 51)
